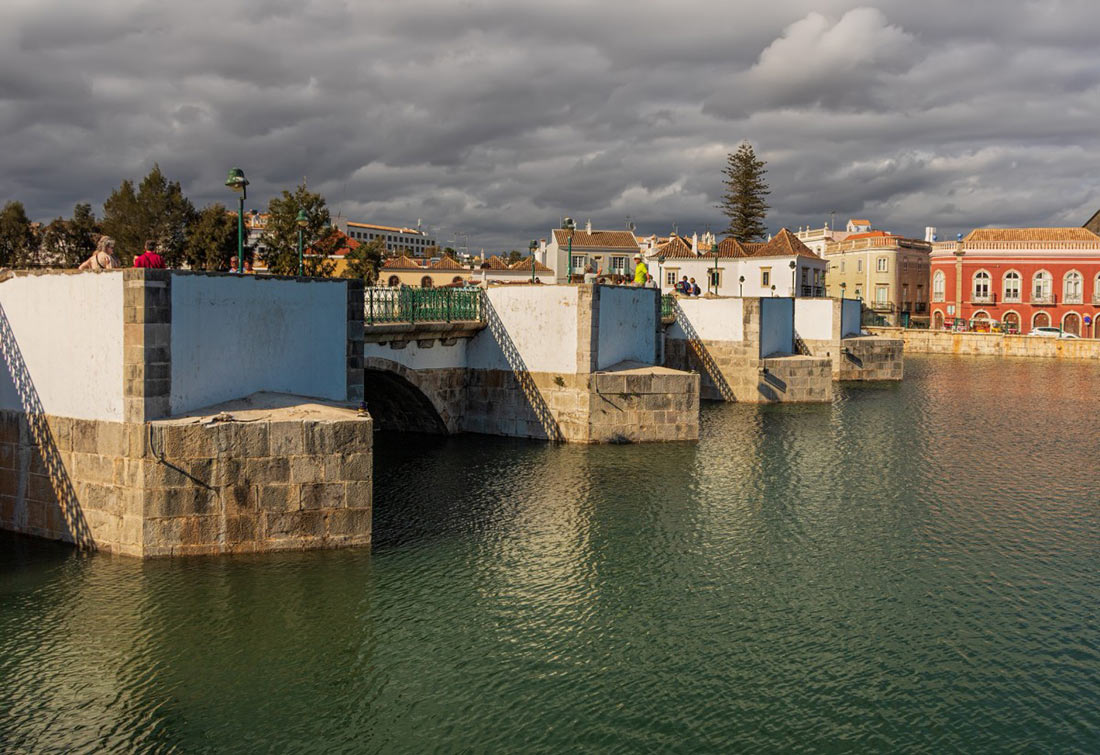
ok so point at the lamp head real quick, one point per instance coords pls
(793, 264)
(302, 220)
(236, 180)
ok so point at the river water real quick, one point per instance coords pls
(914, 568)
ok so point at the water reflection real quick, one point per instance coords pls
(909, 569)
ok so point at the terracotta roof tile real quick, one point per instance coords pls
(446, 263)
(601, 239)
(1031, 234)
(496, 263)
(525, 264)
(784, 244)
(402, 263)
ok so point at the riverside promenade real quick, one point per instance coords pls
(920, 341)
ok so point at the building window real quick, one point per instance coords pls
(1071, 287)
(938, 284)
(578, 263)
(859, 266)
(715, 278)
(842, 266)
(881, 265)
(426, 282)
(671, 277)
(905, 265)
(1012, 286)
(981, 286)
(394, 281)
(1040, 287)
(618, 264)
(882, 295)
(765, 277)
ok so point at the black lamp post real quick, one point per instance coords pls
(794, 265)
(237, 182)
(660, 278)
(741, 286)
(843, 285)
(531, 247)
(302, 221)
(773, 289)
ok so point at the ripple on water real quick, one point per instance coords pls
(912, 568)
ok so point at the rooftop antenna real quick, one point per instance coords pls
(832, 218)
(630, 224)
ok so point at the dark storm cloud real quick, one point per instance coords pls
(495, 119)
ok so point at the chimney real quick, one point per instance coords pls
(930, 233)
(588, 226)
(695, 244)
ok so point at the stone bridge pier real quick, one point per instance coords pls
(744, 349)
(577, 364)
(831, 328)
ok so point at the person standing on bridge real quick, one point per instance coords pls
(640, 271)
(149, 258)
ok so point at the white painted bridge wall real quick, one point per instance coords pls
(67, 329)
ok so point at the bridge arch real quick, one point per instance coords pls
(400, 398)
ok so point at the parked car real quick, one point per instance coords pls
(1048, 332)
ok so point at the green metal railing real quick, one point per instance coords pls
(407, 304)
(668, 307)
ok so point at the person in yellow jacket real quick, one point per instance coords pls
(640, 271)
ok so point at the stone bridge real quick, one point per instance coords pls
(561, 363)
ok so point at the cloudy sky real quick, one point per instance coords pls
(495, 119)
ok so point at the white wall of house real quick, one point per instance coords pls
(232, 336)
(732, 268)
(61, 343)
(627, 325)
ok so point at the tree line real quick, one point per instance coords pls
(203, 239)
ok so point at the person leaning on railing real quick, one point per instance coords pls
(103, 258)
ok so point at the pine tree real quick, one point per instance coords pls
(744, 202)
(365, 260)
(280, 238)
(212, 238)
(157, 210)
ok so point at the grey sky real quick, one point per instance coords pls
(495, 119)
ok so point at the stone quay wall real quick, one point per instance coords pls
(104, 481)
(921, 341)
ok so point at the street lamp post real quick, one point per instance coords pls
(741, 286)
(237, 182)
(843, 285)
(714, 273)
(794, 265)
(660, 279)
(302, 221)
(570, 226)
(531, 247)
(773, 289)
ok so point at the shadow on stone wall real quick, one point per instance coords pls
(706, 360)
(42, 441)
(522, 375)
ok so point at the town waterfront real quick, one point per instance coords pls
(913, 568)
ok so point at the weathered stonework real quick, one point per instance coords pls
(735, 371)
(858, 357)
(643, 404)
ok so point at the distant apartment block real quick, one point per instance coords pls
(398, 240)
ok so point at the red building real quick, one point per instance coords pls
(1021, 277)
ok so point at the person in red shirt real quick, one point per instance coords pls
(149, 258)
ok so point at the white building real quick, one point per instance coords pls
(783, 266)
(413, 241)
(608, 252)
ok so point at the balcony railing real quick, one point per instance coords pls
(406, 304)
(881, 306)
(920, 307)
(1037, 298)
(1072, 299)
(668, 307)
(1096, 297)
(977, 298)
(813, 291)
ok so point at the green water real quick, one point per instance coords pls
(913, 568)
